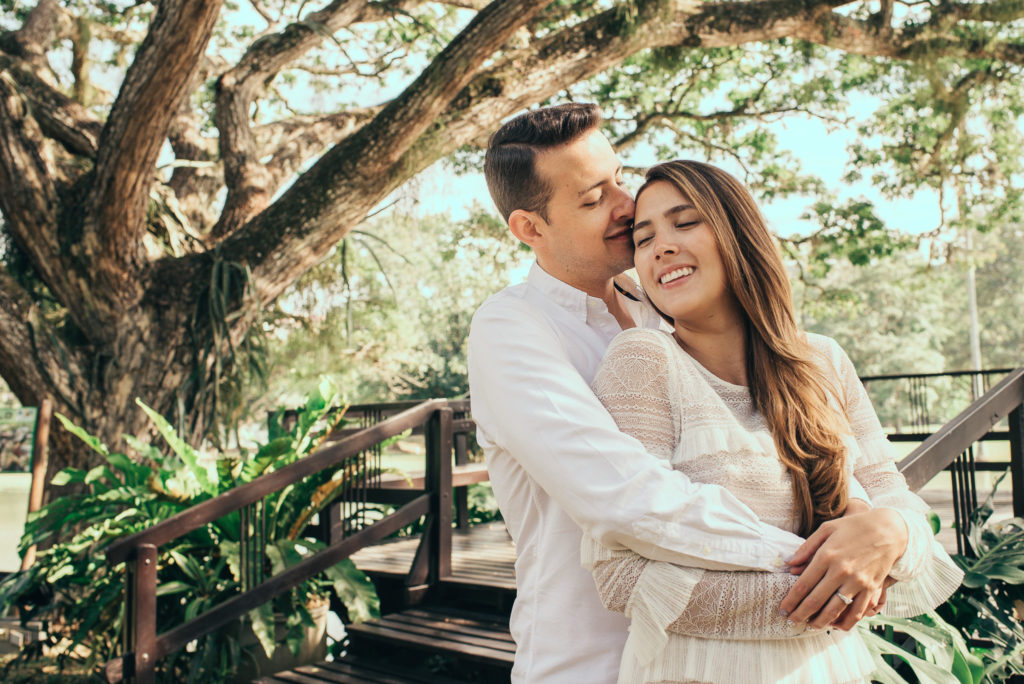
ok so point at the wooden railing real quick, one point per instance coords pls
(952, 448)
(143, 647)
(912, 406)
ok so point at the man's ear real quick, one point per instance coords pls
(527, 226)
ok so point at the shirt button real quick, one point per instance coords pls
(706, 550)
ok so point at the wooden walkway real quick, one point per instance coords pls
(481, 555)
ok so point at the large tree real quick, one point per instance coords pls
(123, 280)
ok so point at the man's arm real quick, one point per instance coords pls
(529, 399)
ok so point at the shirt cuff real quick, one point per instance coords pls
(919, 545)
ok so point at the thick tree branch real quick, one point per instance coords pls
(249, 183)
(934, 37)
(29, 199)
(139, 120)
(59, 117)
(31, 360)
(297, 140)
(47, 22)
(360, 169)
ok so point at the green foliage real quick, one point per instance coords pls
(990, 605)
(72, 586)
(850, 232)
(939, 655)
(390, 322)
(907, 313)
(976, 637)
(481, 505)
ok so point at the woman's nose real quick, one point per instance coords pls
(662, 248)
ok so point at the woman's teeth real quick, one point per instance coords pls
(676, 274)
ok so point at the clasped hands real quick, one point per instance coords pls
(844, 567)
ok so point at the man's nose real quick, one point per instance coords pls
(625, 207)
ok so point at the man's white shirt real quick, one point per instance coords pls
(558, 463)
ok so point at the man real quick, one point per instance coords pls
(556, 459)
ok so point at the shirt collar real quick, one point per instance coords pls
(575, 300)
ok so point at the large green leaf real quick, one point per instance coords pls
(187, 454)
(262, 620)
(93, 442)
(925, 671)
(355, 590)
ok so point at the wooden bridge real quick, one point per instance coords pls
(446, 593)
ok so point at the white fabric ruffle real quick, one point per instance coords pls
(658, 599)
(812, 658)
(935, 582)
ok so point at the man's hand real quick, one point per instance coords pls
(851, 555)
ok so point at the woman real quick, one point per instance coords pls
(737, 396)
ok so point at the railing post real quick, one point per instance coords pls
(462, 493)
(1016, 424)
(438, 481)
(140, 617)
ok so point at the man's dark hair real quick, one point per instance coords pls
(510, 164)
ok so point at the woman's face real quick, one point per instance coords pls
(678, 260)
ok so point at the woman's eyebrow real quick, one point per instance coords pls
(671, 212)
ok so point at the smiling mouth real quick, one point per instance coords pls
(678, 273)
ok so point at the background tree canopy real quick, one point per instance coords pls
(169, 169)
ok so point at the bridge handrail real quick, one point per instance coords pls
(219, 506)
(940, 449)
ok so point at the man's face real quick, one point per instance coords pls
(587, 231)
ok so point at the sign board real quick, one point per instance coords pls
(17, 434)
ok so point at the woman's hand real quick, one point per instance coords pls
(848, 557)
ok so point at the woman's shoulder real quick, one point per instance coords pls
(641, 340)
(826, 346)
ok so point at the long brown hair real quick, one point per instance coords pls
(788, 387)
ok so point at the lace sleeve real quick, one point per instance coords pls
(926, 575)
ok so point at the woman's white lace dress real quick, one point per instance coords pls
(693, 625)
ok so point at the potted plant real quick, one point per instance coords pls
(80, 596)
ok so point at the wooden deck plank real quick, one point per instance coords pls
(376, 672)
(470, 635)
(481, 555)
(426, 643)
(439, 634)
(500, 640)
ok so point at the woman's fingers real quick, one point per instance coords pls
(852, 613)
(854, 552)
(806, 551)
(805, 584)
